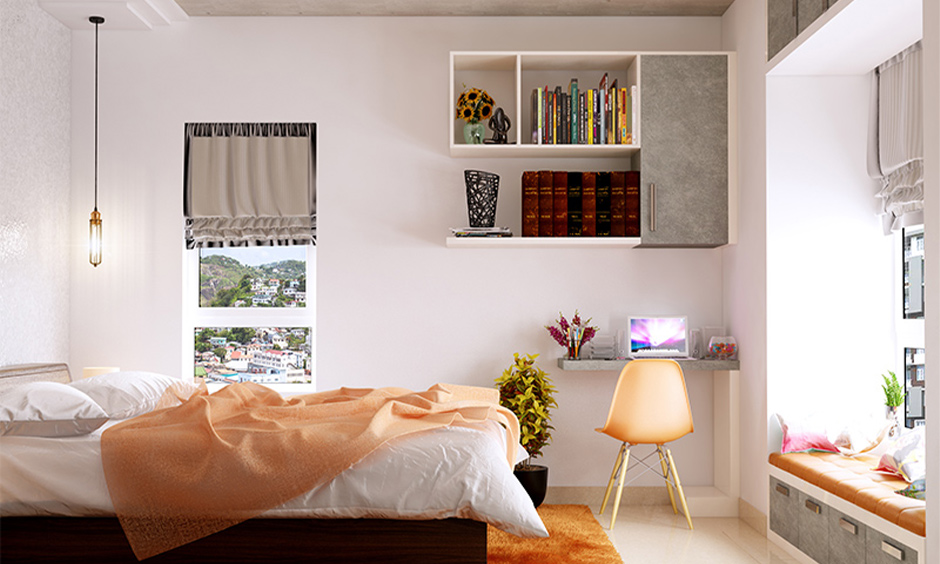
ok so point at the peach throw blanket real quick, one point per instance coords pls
(176, 475)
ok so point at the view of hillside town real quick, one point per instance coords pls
(265, 355)
(253, 277)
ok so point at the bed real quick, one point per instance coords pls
(40, 523)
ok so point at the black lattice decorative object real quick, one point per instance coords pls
(481, 197)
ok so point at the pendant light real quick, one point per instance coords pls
(94, 224)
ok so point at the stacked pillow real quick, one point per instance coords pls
(52, 409)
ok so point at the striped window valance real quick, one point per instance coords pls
(896, 144)
(250, 184)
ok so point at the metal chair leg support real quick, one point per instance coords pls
(613, 475)
(623, 472)
(662, 462)
(675, 475)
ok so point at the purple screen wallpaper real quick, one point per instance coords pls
(657, 333)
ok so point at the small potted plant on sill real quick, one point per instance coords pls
(894, 398)
(526, 390)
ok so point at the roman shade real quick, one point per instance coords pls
(248, 184)
(896, 141)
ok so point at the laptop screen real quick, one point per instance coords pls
(658, 336)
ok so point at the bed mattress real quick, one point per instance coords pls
(449, 472)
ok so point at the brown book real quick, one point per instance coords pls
(530, 203)
(589, 204)
(618, 202)
(574, 204)
(546, 197)
(560, 203)
(632, 207)
(602, 211)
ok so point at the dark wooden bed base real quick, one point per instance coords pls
(77, 540)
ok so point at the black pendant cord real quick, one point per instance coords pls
(97, 20)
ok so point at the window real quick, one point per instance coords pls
(249, 205)
(913, 269)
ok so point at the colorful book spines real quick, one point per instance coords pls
(595, 116)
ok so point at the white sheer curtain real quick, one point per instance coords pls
(896, 147)
(250, 184)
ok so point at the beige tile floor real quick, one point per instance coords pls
(653, 534)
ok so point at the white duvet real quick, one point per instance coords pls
(449, 472)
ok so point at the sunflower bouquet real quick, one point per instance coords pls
(474, 105)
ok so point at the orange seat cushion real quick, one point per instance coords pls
(853, 479)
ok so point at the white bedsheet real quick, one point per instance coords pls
(449, 472)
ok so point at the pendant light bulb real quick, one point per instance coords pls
(94, 224)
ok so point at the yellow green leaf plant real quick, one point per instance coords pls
(526, 390)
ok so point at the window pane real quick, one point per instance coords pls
(266, 355)
(253, 276)
(913, 272)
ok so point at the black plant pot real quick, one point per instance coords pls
(534, 480)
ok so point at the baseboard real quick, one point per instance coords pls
(752, 516)
(592, 496)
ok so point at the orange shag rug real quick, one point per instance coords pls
(576, 537)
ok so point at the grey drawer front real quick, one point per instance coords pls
(846, 539)
(814, 528)
(882, 549)
(784, 517)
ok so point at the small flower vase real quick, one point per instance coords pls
(891, 414)
(473, 132)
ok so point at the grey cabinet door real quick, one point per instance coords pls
(808, 11)
(781, 25)
(684, 150)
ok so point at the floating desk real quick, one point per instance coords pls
(720, 499)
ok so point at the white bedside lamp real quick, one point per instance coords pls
(90, 371)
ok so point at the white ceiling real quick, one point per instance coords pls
(454, 7)
(147, 14)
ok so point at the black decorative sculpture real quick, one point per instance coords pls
(500, 125)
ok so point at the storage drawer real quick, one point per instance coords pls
(882, 549)
(814, 528)
(784, 517)
(846, 539)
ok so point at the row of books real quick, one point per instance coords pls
(597, 116)
(580, 204)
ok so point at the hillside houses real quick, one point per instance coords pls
(272, 355)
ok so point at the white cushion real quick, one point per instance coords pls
(125, 394)
(48, 409)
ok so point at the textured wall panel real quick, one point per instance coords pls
(35, 52)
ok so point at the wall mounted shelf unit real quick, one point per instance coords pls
(684, 144)
(543, 242)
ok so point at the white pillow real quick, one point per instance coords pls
(125, 394)
(48, 409)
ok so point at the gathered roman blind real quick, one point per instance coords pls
(896, 142)
(249, 184)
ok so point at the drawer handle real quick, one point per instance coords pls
(848, 526)
(812, 506)
(892, 550)
(783, 490)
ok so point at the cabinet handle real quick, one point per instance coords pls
(652, 207)
(783, 490)
(892, 550)
(848, 526)
(814, 507)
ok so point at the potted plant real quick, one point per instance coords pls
(572, 335)
(894, 398)
(526, 390)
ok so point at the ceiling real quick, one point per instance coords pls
(195, 8)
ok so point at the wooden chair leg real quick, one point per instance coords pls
(675, 475)
(662, 463)
(623, 473)
(610, 482)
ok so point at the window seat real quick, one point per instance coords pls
(852, 479)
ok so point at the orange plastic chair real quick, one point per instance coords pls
(650, 407)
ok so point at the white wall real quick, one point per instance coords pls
(394, 306)
(34, 185)
(744, 264)
(830, 270)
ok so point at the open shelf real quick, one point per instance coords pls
(542, 242)
(617, 365)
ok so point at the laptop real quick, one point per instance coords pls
(659, 337)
